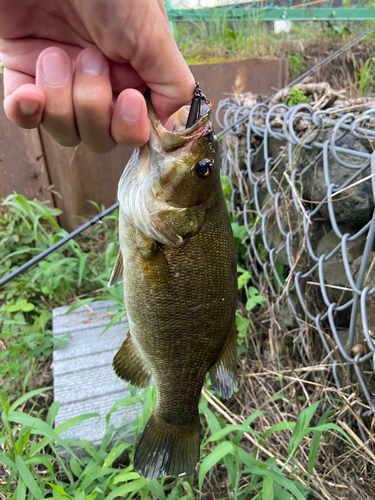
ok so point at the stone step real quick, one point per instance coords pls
(83, 376)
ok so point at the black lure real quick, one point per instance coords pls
(195, 106)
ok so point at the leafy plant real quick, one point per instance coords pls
(337, 30)
(297, 96)
(252, 300)
(218, 38)
(32, 474)
(267, 479)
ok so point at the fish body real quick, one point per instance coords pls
(177, 261)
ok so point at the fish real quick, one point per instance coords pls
(177, 263)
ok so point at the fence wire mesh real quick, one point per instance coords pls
(303, 184)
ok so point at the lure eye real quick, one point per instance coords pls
(203, 168)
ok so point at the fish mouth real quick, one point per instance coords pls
(174, 133)
(179, 120)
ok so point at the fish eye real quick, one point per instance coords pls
(203, 168)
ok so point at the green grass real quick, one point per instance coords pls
(219, 40)
(26, 229)
(31, 447)
(364, 76)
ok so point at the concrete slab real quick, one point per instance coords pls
(82, 370)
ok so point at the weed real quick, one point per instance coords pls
(297, 64)
(364, 76)
(297, 96)
(26, 229)
(252, 299)
(38, 462)
(220, 40)
(337, 30)
(32, 446)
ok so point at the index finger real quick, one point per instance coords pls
(159, 62)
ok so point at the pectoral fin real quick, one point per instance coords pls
(130, 366)
(117, 272)
(223, 373)
(147, 247)
(154, 264)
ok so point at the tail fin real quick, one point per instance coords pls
(167, 449)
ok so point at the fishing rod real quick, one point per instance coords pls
(298, 79)
(57, 245)
(194, 113)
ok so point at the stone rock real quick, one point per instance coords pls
(258, 164)
(359, 338)
(367, 143)
(333, 269)
(285, 315)
(355, 206)
(367, 368)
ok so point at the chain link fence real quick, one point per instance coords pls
(303, 184)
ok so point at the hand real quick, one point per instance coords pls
(81, 67)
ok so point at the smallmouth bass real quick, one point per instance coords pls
(178, 266)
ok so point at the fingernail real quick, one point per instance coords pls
(28, 108)
(55, 69)
(92, 63)
(131, 109)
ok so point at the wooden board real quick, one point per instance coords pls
(22, 165)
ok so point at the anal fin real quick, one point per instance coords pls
(223, 373)
(117, 272)
(129, 365)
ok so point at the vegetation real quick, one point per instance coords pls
(297, 96)
(246, 451)
(282, 436)
(250, 38)
(78, 269)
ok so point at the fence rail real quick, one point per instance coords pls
(303, 183)
(273, 10)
